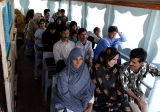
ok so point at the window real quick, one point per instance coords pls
(132, 26)
(157, 57)
(95, 17)
(76, 13)
(64, 5)
(56, 6)
(154, 102)
(38, 8)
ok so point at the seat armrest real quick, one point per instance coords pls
(148, 90)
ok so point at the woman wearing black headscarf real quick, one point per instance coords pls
(58, 25)
(105, 74)
(74, 86)
(73, 26)
(49, 38)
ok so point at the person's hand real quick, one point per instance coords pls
(140, 103)
(118, 30)
(89, 108)
(88, 62)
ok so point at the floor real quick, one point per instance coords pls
(30, 92)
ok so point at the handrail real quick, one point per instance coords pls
(146, 85)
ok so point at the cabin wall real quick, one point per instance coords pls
(7, 43)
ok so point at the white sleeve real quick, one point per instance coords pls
(56, 53)
(92, 100)
(91, 50)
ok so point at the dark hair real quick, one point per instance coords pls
(47, 31)
(107, 54)
(51, 26)
(139, 53)
(59, 17)
(46, 21)
(62, 10)
(113, 29)
(81, 30)
(96, 29)
(29, 15)
(64, 28)
(46, 10)
(42, 20)
(72, 24)
(73, 32)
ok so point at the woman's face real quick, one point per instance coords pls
(74, 36)
(74, 27)
(52, 31)
(113, 61)
(42, 25)
(59, 21)
(77, 62)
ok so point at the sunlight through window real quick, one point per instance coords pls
(132, 26)
(95, 18)
(39, 7)
(17, 4)
(154, 105)
(76, 13)
(157, 58)
(56, 6)
(64, 5)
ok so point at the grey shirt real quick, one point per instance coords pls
(87, 48)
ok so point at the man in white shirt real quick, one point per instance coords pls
(47, 16)
(85, 45)
(94, 37)
(62, 48)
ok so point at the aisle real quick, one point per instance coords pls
(29, 90)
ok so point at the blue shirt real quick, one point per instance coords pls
(107, 42)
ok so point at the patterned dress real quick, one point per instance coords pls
(109, 96)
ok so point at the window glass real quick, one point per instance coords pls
(64, 5)
(131, 26)
(39, 8)
(95, 18)
(56, 6)
(76, 12)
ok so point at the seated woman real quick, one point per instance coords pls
(75, 90)
(49, 38)
(108, 93)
